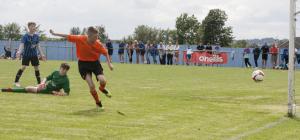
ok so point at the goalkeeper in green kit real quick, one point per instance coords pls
(57, 84)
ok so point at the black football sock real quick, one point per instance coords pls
(18, 76)
(37, 75)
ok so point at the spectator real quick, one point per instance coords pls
(137, 51)
(7, 52)
(189, 53)
(285, 58)
(208, 48)
(200, 47)
(148, 48)
(142, 51)
(274, 55)
(217, 49)
(130, 51)
(162, 53)
(153, 53)
(232, 54)
(121, 52)
(110, 49)
(246, 55)
(297, 56)
(170, 51)
(176, 50)
(256, 53)
(15, 54)
(265, 51)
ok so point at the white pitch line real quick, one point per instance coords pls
(267, 126)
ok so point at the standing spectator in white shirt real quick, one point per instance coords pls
(170, 51)
(189, 53)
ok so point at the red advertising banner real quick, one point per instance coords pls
(207, 57)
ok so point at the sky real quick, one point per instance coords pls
(249, 18)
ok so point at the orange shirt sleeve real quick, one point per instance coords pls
(74, 38)
(101, 49)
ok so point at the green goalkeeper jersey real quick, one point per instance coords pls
(56, 82)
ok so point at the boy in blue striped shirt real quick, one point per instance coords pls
(28, 48)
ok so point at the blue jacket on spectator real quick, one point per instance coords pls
(154, 50)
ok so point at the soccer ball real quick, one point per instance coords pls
(258, 75)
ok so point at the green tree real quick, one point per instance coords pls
(141, 33)
(102, 33)
(1, 32)
(128, 39)
(188, 29)
(167, 35)
(239, 44)
(214, 30)
(145, 33)
(12, 31)
(75, 31)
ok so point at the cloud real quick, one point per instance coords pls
(249, 19)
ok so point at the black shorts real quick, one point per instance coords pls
(34, 61)
(264, 56)
(89, 67)
(121, 51)
(110, 51)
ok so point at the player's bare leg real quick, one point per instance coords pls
(31, 89)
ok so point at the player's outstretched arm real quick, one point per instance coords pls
(57, 34)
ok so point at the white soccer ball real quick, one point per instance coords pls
(258, 75)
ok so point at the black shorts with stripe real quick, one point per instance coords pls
(33, 60)
(89, 67)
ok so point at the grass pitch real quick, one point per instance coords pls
(152, 102)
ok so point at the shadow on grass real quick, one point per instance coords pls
(95, 112)
(89, 112)
(296, 118)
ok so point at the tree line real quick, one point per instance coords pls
(14, 31)
(189, 30)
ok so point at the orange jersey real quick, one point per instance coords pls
(85, 51)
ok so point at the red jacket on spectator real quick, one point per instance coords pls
(274, 49)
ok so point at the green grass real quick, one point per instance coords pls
(159, 102)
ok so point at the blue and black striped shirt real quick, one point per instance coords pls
(31, 43)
